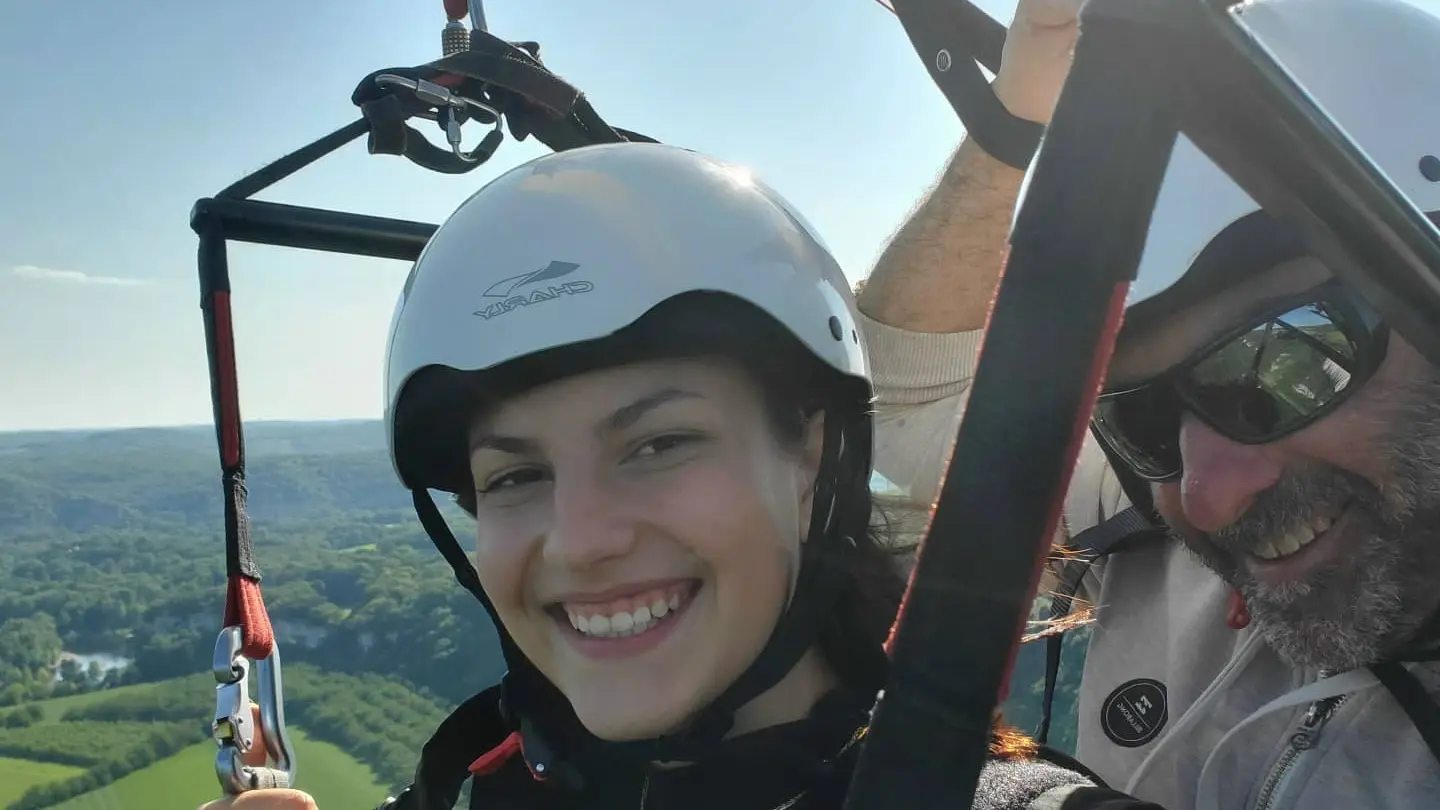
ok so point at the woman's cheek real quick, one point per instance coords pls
(501, 549)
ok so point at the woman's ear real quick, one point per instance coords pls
(811, 452)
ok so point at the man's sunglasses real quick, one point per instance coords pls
(1281, 371)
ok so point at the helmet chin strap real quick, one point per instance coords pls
(532, 699)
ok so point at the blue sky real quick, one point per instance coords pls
(129, 112)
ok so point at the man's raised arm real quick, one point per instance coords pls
(924, 306)
(940, 269)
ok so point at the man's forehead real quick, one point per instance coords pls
(1162, 345)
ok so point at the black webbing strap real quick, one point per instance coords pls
(1103, 538)
(950, 36)
(1407, 690)
(472, 729)
(445, 542)
(1412, 697)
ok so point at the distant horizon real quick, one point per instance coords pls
(879, 481)
(191, 425)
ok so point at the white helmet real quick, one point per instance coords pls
(573, 246)
(594, 250)
(1371, 65)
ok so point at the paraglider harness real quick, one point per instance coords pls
(970, 593)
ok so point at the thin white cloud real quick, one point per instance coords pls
(34, 273)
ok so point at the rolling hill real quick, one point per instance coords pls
(110, 545)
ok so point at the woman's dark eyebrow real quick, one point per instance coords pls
(628, 415)
(504, 444)
(622, 418)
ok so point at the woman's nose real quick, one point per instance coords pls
(588, 526)
(1222, 477)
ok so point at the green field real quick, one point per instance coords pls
(187, 780)
(55, 708)
(19, 775)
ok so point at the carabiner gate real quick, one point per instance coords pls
(233, 727)
(451, 110)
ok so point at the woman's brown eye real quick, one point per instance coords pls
(662, 444)
(514, 479)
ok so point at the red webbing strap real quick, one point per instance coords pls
(227, 397)
(244, 605)
(245, 608)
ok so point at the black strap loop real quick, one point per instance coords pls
(949, 37)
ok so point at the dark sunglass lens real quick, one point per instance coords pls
(1276, 377)
(1142, 427)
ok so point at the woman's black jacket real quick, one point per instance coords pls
(800, 766)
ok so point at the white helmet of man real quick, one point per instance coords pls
(1370, 65)
(573, 246)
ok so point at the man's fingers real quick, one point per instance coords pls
(1048, 13)
(264, 800)
(270, 799)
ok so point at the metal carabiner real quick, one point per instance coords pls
(450, 106)
(233, 726)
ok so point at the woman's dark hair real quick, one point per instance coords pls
(796, 386)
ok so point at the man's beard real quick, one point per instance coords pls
(1365, 605)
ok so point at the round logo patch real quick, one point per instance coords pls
(1135, 712)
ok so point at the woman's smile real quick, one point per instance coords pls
(625, 621)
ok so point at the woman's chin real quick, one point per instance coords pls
(633, 717)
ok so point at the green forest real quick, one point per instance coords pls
(112, 585)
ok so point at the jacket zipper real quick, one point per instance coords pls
(1304, 738)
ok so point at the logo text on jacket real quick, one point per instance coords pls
(1135, 712)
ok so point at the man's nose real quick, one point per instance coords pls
(1222, 477)
(588, 525)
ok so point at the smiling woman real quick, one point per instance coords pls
(665, 446)
(640, 526)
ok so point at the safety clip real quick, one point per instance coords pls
(233, 726)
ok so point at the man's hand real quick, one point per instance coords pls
(939, 272)
(262, 799)
(1037, 56)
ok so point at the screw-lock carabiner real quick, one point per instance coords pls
(233, 727)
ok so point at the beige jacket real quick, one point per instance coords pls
(1173, 703)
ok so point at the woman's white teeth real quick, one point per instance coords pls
(1293, 540)
(621, 623)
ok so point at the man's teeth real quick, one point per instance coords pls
(620, 621)
(1292, 541)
